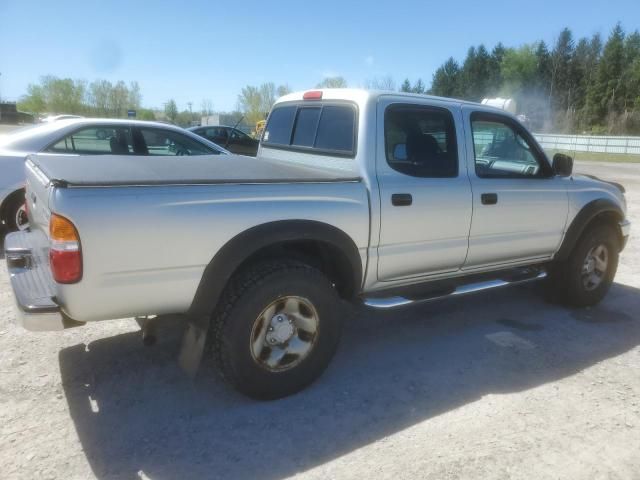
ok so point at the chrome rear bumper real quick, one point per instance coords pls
(32, 284)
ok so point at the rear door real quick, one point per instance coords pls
(519, 206)
(425, 192)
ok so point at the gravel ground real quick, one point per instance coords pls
(498, 385)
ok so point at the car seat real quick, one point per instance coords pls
(118, 143)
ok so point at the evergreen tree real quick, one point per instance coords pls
(495, 63)
(606, 93)
(542, 80)
(466, 78)
(476, 74)
(446, 80)
(561, 78)
(631, 74)
(580, 65)
(406, 86)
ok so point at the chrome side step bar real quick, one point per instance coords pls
(393, 302)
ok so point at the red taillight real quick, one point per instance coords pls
(312, 95)
(65, 266)
(65, 255)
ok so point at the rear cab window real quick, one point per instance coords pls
(318, 127)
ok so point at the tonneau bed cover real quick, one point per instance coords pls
(114, 170)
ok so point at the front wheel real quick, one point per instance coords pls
(276, 329)
(586, 276)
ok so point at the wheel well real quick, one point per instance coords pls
(327, 258)
(610, 218)
(8, 201)
(318, 244)
(598, 212)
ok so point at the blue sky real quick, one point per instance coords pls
(192, 50)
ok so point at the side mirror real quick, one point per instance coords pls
(562, 164)
(400, 151)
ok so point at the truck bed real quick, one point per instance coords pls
(147, 238)
(121, 170)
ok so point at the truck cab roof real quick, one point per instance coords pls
(359, 95)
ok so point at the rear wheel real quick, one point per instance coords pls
(15, 213)
(276, 329)
(586, 276)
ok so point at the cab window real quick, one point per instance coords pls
(421, 141)
(502, 151)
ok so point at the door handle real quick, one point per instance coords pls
(489, 198)
(401, 199)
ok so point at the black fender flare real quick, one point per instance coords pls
(241, 247)
(581, 221)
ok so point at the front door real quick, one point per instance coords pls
(425, 192)
(519, 206)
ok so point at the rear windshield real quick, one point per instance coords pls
(28, 137)
(321, 128)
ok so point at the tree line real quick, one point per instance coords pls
(100, 98)
(575, 86)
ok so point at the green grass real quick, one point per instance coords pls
(599, 157)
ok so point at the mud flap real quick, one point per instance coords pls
(193, 343)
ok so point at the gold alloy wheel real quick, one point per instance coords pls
(284, 333)
(594, 268)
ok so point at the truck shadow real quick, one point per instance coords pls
(135, 411)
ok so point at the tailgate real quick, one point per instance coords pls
(37, 190)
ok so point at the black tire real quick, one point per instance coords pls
(249, 294)
(566, 284)
(10, 212)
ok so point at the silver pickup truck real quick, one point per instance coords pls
(375, 198)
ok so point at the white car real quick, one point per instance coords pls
(85, 136)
